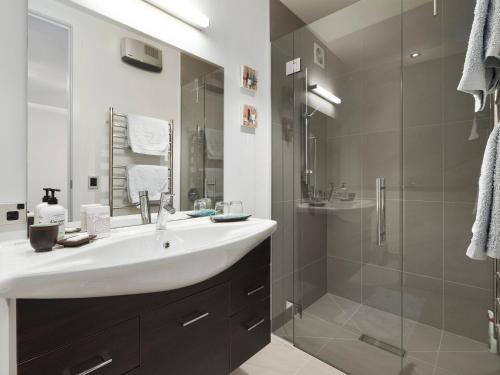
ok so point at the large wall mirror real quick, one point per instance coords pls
(112, 111)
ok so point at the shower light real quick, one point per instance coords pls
(325, 94)
(415, 54)
(183, 12)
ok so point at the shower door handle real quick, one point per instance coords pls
(435, 8)
(380, 196)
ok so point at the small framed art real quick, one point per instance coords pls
(249, 115)
(248, 78)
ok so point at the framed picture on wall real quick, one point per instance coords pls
(248, 78)
(249, 114)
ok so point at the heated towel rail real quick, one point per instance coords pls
(118, 131)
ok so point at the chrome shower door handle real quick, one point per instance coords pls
(435, 8)
(380, 196)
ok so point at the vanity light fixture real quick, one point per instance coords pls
(325, 94)
(182, 12)
(415, 54)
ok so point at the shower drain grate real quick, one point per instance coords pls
(382, 345)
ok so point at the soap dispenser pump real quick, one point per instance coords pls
(53, 213)
(44, 203)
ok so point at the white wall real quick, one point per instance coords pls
(13, 29)
(238, 34)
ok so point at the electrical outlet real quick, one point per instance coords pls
(93, 183)
(12, 213)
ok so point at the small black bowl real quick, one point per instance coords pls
(43, 237)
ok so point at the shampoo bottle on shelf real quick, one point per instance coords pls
(45, 199)
(53, 213)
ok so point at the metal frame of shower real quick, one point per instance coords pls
(123, 124)
(496, 265)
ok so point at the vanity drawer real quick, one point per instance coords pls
(190, 336)
(112, 352)
(250, 332)
(250, 288)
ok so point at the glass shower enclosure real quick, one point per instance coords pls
(376, 158)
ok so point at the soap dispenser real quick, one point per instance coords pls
(344, 194)
(45, 199)
(53, 213)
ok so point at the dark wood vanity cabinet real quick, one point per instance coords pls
(210, 328)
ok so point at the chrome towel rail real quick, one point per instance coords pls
(118, 122)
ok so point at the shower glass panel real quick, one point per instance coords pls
(374, 196)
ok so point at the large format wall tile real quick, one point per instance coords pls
(382, 288)
(312, 238)
(465, 310)
(312, 282)
(422, 92)
(423, 171)
(381, 153)
(458, 219)
(423, 248)
(345, 163)
(344, 235)
(344, 278)
(423, 299)
(462, 160)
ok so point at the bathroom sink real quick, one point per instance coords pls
(131, 261)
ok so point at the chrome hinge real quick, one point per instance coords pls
(293, 66)
(296, 308)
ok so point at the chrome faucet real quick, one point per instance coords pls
(145, 207)
(166, 208)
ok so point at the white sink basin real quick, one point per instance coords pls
(133, 260)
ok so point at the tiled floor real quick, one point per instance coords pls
(281, 358)
(331, 327)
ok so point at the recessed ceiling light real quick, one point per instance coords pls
(415, 54)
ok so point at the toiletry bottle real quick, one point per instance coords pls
(343, 192)
(45, 199)
(53, 213)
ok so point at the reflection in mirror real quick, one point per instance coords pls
(112, 112)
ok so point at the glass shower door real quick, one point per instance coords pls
(348, 191)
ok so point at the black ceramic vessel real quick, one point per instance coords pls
(43, 237)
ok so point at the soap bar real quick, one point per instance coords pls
(75, 241)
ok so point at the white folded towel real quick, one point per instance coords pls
(152, 178)
(485, 231)
(147, 135)
(215, 144)
(481, 72)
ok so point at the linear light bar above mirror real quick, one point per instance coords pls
(183, 12)
(325, 94)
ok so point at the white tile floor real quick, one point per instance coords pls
(281, 358)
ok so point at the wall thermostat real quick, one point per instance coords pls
(93, 182)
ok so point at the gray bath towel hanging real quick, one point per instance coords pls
(486, 229)
(481, 72)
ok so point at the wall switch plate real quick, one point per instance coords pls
(293, 66)
(12, 213)
(93, 182)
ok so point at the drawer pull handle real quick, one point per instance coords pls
(96, 367)
(253, 326)
(256, 290)
(194, 320)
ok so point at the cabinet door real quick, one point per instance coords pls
(112, 352)
(188, 337)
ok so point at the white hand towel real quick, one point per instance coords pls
(480, 76)
(215, 143)
(147, 135)
(152, 178)
(485, 236)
